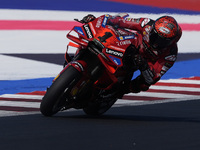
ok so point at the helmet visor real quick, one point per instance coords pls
(158, 42)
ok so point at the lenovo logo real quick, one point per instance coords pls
(115, 53)
(88, 31)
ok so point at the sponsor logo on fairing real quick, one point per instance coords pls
(115, 53)
(105, 21)
(126, 37)
(88, 31)
(129, 37)
(116, 60)
(92, 28)
(121, 43)
(79, 30)
(99, 21)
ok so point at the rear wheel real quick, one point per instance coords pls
(99, 106)
(55, 97)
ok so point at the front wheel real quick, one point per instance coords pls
(55, 97)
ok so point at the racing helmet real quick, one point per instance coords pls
(164, 32)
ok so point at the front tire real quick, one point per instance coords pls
(54, 95)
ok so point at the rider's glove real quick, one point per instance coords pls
(88, 18)
(140, 62)
(147, 74)
(137, 85)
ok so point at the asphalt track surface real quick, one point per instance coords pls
(167, 126)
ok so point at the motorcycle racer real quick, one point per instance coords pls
(158, 50)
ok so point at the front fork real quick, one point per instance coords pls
(91, 69)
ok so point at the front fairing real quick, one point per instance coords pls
(111, 43)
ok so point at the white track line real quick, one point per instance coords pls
(22, 96)
(172, 88)
(164, 95)
(20, 104)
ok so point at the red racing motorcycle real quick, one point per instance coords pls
(98, 73)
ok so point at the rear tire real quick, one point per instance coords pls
(53, 96)
(98, 108)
